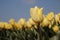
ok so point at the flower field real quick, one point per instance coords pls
(38, 26)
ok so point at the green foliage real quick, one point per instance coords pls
(25, 34)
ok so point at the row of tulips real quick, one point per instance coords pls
(38, 26)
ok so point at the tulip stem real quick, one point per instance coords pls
(40, 32)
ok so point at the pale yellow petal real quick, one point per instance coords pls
(55, 28)
(57, 18)
(29, 24)
(22, 21)
(45, 22)
(2, 24)
(18, 26)
(31, 21)
(7, 26)
(12, 21)
(36, 14)
(50, 16)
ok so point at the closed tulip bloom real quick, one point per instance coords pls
(36, 14)
(22, 21)
(12, 21)
(32, 22)
(55, 28)
(29, 24)
(1, 24)
(57, 18)
(44, 23)
(50, 16)
(18, 26)
(7, 26)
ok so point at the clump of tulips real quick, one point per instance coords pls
(37, 27)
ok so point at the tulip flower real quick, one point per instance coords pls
(55, 28)
(2, 24)
(44, 23)
(22, 21)
(48, 20)
(29, 24)
(50, 16)
(18, 26)
(57, 18)
(36, 14)
(12, 21)
(32, 21)
(7, 26)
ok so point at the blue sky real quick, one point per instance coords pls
(20, 8)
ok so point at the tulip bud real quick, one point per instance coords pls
(36, 14)
(18, 26)
(55, 28)
(29, 24)
(31, 21)
(12, 21)
(57, 18)
(50, 16)
(22, 21)
(44, 23)
(2, 24)
(7, 26)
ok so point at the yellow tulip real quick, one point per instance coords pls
(2, 24)
(36, 14)
(44, 23)
(32, 22)
(50, 16)
(18, 26)
(12, 21)
(57, 18)
(7, 26)
(55, 28)
(22, 21)
(29, 24)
